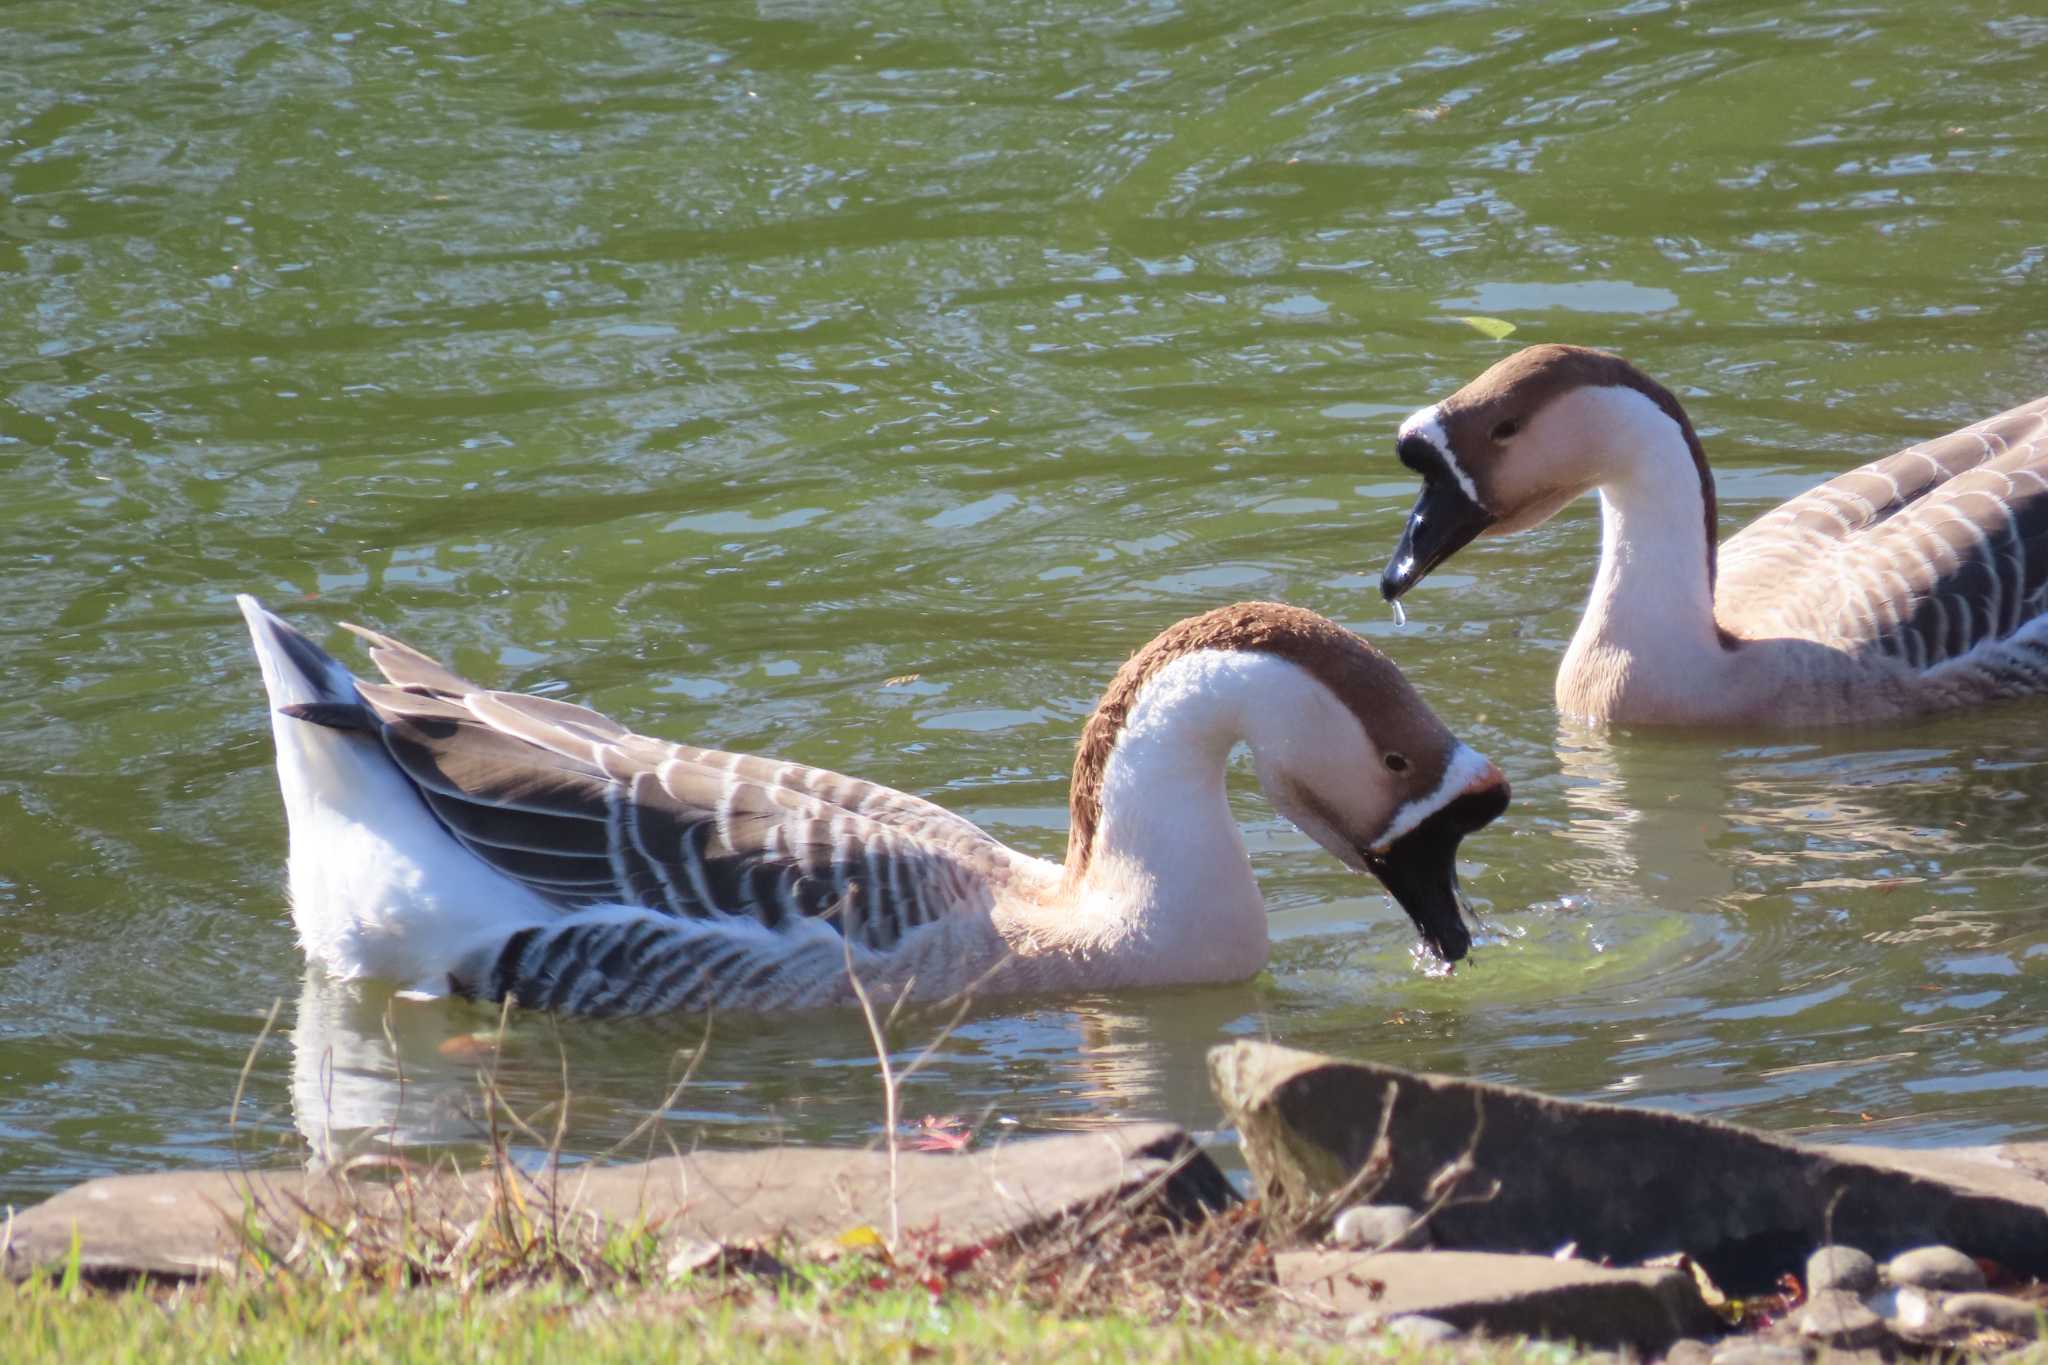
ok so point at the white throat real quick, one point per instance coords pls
(1169, 878)
(1650, 620)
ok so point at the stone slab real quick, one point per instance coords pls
(1505, 1295)
(1623, 1184)
(187, 1224)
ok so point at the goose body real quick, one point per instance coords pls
(490, 844)
(1916, 583)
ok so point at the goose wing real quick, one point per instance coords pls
(1925, 556)
(587, 813)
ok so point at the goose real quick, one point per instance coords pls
(1913, 584)
(466, 842)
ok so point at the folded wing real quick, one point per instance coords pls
(1929, 556)
(587, 813)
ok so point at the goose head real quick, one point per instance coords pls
(1510, 449)
(1342, 744)
(1382, 785)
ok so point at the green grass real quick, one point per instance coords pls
(818, 1313)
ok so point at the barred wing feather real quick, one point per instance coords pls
(1931, 556)
(587, 813)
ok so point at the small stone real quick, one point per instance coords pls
(1836, 1317)
(1421, 1329)
(1375, 1226)
(1746, 1351)
(1934, 1267)
(1688, 1351)
(1908, 1308)
(1996, 1313)
(1840, 1268)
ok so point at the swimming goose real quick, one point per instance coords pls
(491, 844)
(1913, 584)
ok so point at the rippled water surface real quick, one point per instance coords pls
(725, 365)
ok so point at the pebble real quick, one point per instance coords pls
(1840, 1268)
(1836, 1317)
(1997, 1312)
(1416, 1327)
(1379, 1225)
(1934, 1267)
(1907, 1307)
(1422, 1329)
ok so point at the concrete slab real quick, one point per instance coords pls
(191, 1223)
(1504, 1294)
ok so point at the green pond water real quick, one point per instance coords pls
(860, 383)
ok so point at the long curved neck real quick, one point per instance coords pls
(1164, 874)
(1649, 625)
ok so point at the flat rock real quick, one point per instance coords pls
(1750, 1351)
(1688, 1351)
(1534, 1295)
(185, 1224)
(1623, 1184)
(1996, 1313)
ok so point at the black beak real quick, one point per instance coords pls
(1442, 523)
(1420, 869)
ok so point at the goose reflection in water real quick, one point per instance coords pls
(374, 1072)
(1693, 826)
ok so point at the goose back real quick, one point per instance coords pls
(1935, 558)
(584, 812)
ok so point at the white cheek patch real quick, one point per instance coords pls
(1467, 766)
(1424, 422)
(1428, 424)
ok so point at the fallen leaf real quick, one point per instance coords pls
(854, 1239)
(1499, 329)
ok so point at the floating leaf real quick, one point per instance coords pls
(1499, 329)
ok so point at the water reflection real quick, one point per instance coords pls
(1820, 873)
(373, 1071)
(1644, 818)
(369, 1070)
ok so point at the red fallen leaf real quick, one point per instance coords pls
(1795, 1292)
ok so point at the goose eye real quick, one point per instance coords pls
(1506, 429)
(1397, 763)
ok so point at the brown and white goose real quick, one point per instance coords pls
(491, 844)
(1913, 584)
